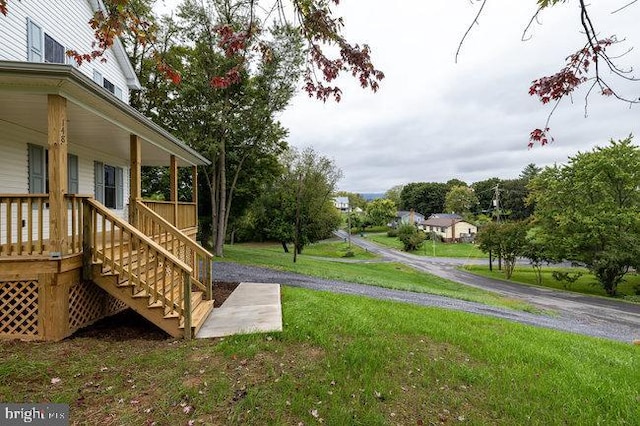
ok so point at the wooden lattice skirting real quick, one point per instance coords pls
(19, 309)
(89, 303)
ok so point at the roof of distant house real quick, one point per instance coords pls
(441, 222)
(403, 213)
(445, 216)
(342, 200)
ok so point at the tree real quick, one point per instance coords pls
(393, 194)
(423, 197)
(297, 207)
(588, 210)
(235, 128)
(507, 240)
(381, 211)
(411, 237)
(485, 191)
(461, 200)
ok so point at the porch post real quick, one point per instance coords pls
(194, 191)
(57, 140)
(173, 174)
(135, 190)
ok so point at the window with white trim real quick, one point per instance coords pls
(109, 189)
(41, 47)
(39, 171)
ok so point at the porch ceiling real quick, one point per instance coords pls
(96, 119)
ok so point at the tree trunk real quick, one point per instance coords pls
(284, 246)
(219, 247)
(490, 261)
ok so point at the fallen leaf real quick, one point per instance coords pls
(314, 413)
(56, 380)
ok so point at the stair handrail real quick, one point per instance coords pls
(193, 245)
(90, 247)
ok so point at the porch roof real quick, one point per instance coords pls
(96, 119)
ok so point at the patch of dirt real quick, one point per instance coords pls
(221, 291)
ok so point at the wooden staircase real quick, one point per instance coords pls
(148, 278)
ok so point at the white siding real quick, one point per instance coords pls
(13, 161)
(66, 21)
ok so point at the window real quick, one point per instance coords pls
(53, 51)
(108, 85)
(42, 47)
(39, 171)
(109, 185)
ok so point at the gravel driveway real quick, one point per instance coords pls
(565, 320)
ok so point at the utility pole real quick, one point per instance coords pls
(349, 224)
(496, 202)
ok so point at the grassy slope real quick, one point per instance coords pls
(462, 250)
(388, 275)
(586, 284)
(342, 359)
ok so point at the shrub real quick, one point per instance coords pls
(392, 233)
(411, 237)
(566, 278)
(349, 253)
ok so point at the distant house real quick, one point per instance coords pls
(404, 217)
(341, 203)
(450, 227)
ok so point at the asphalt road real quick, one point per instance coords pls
(573, 312)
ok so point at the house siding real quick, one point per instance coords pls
(14, 169)
(66, 21)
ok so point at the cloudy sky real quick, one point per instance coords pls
(433, 119)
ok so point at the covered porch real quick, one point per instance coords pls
(77, 241)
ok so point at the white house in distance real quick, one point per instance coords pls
(77, 241)
(450, 227)
(341, 203)
(404, 217)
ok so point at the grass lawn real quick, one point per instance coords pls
(341, 360)
(586, 284)
(389, 275)
(431, 248)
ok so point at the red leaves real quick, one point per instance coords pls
(231, 77)
(232, 42)
(564, 82)
(3, 7)
(541, 136)
(169, 72)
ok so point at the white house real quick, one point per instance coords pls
(341, 203)
(70, 196)
(450, 227)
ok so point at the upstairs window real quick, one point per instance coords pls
(53, 51)
(109, 86)
(41, 47)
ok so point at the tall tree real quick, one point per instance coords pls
(234, 126)
(588, 210)
(424, 197)
(381, 211)
(460, 200)
(297, 207)
(393, 194)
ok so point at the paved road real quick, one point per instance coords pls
(593, 316)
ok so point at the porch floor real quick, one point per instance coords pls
(251, 308)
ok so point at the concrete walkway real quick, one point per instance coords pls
(251, 308)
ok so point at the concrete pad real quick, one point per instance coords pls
(251, 308)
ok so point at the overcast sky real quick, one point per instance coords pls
(433, 119)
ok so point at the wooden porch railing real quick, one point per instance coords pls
(187, 215)
(184, 248)
(24, 224)
(137, 258)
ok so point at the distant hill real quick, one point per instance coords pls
(372, 195)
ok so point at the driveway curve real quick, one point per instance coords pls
(566, 319)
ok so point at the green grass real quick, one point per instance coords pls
(586, 284)
(341, 360)
(336, 249)
(431, 248)
(381, 274)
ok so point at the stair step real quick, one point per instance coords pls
(199, 315)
